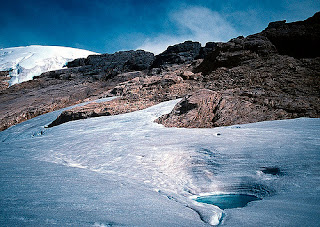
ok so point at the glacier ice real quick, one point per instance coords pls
(128, 170)
(26, 62)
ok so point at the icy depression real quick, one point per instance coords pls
(126, 170)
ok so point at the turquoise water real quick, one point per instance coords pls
(228, 201)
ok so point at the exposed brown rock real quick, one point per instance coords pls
(254, 79)
(136, 94)
(206, 109)
(30, 99)
(271, 87)
(4, 80)
(114, 107)
(197, 110)
(90, 110)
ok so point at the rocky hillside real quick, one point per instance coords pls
(270, 75)
(61, 88)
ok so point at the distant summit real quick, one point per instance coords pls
(23, 63)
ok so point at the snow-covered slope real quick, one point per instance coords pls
(126, 170)
(27, 62)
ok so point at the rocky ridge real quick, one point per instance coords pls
(61, 88)
(247, 79)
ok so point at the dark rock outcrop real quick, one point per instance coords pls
(235, 52)
(189, 112)
(77, 114)
(118, 62)
(298, 39)
(77, 62)
(180, 53)
(206, 50)
(114, 107)
(272, 87)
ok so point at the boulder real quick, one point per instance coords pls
(91, 110)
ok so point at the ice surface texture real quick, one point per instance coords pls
(26, 62)
(128, 170)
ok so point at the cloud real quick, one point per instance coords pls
(160, 43)
(204, 24)
(193, 23)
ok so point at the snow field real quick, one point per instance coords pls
(177, 165)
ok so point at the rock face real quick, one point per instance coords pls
(235, 52)
(118, 62)
(206, 50)
(114, 107)
(180, 53)
(161, 87)
(189, 112)
(271, 87)
(298, 39)
(29, 99)
(207, 109)
(271, 75)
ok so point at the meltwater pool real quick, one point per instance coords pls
(228, 201)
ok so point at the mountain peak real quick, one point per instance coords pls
(25, 62)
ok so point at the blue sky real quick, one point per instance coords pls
(107, 26)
